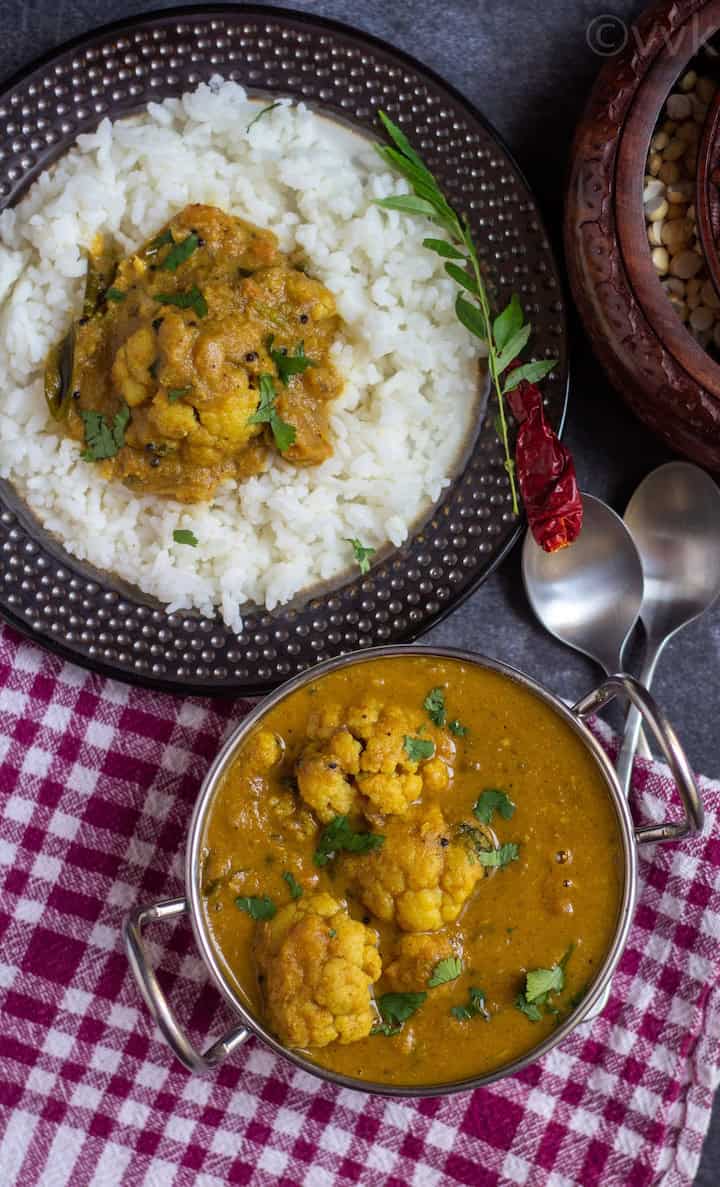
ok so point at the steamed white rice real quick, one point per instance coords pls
(410, 369)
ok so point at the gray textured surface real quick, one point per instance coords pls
(528, 68)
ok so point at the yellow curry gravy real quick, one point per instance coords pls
(174, 341)
(555, 906)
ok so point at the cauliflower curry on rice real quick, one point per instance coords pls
(197, 357)
(412, 870)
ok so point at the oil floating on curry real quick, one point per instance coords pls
(412, 870)
(195, 357)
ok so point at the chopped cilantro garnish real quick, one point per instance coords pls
(418, 749)
(395, 1009)
(191, 299)
(185, 536)
(294, 887)
(434, 706)
(289, 364)
(266, 413)
(499, 857)
(362, 554)
(482, 849)
(257, 908)
(457, 729)
(338, 835)
(332, 933)
(180, 252)
(113, 294)
(159, 241)
(177, 393)
(102, 439)
(445, 970)
(474, 1007)
(492, 800)
(539, 984)
(529, 1009)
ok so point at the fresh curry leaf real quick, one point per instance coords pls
(443, 248)
(190, 299)
(445, 970)
(428, 200)
(401, 141)
(289, 364)
(463, 278)
(362, 553)
(513, 346)
(113, 294)
(185, 536)
(492, 800)
(294, 887)
(530, 372)
(395, 1009)
(104, 439)
(507, 323)
(475, 1006)
(496, 858)
(260, 114)
(434, 706)
(339, 836)
(457, 728)
(257, 908)
(470, 316)
(180, 252)
(177, 393)
(407, 203)
(418, 749)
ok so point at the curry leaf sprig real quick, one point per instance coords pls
(507, 334)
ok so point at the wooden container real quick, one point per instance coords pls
(667, 378)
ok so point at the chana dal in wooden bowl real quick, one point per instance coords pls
(411, 871)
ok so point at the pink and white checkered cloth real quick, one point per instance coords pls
(97, 782)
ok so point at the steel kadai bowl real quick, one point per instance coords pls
(632, 837)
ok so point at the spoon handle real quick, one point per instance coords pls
(633, 721)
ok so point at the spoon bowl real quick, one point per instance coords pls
(674, 517)
(589, 595)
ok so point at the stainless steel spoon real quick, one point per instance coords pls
(589, 595)
(674, 517)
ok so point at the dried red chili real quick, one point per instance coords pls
(545, 472)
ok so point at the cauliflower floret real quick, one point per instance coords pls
(323, 722)
(323, 773)
(262, 750)
(361, 719)
(421, 877)
(436, 775)
(387, 776)
(318, 966)
(415, 960)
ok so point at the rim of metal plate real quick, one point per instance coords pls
(93, 619)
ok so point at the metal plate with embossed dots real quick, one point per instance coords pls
(95, 620)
